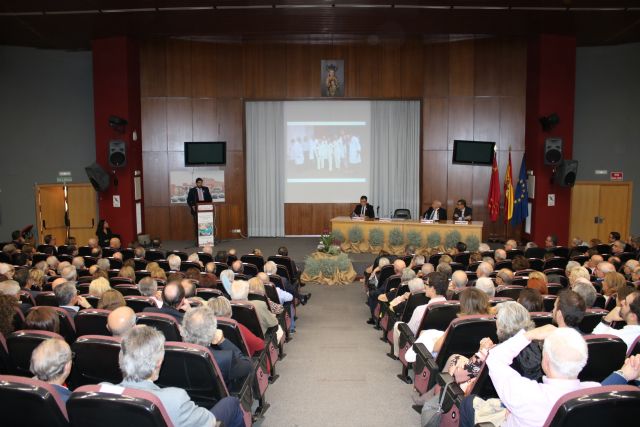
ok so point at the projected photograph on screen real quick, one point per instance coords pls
(327, 151)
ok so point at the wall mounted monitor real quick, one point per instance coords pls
(205, 153)
(479, 153)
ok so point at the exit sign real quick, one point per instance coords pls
(616, 176)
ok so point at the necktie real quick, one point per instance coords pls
(362, 210)
(433, 214)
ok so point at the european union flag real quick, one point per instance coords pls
(521, 199)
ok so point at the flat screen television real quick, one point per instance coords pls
(478, 153)
(205, 153)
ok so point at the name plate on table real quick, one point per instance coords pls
(427, 221)
(357, 218)
(461, 222)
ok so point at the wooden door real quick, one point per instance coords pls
(615, 210)
(50, 212)
(81, 200)
(597, 208)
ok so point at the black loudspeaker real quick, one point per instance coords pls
(552, 151)
(98, 177)
(565, 174)
(117, 153)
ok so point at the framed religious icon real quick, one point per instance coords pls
(332, 78)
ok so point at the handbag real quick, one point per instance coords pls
(432, 412)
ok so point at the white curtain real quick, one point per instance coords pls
(395, 156)
(265, 168)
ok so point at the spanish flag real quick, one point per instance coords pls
(508, 192)
(494, 192)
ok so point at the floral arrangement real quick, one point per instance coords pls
(327, 243)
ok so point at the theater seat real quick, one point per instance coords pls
(606, 354)
(510, 291)
(139, 303)
(92, 321)
(99, 406)
(592, 317)
(21, 344)
(256, 260)
(6, 366)
(96, 360)
(163, 322)
(193, 368)
(208, 293)
(47, 298)
(634, 348)
(597, 406)
(462, 337)
(30, 402)
(541, 318)
(127, 290)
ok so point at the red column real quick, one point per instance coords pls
(551, 73)
(116, 91)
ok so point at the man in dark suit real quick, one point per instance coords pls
(68, 298)
(199, 193)
(51, 363)
(462, 212)
(174, 303)
(363, 209)
(436, 212)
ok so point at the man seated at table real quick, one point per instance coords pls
(363, 209)
(436, 212)
(462, 212)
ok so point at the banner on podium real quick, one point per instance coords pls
(205, 227)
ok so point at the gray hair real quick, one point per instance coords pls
(220, 306)
(69, 273)
(239, 290)
(570, 266)
(486, 285)
(606, 267)
(418, 260)
(229, 274)
(61, 266)
(199, 326)
(483, 247)
(141, 349)
(586, 291)
(52, 261)
(500, 255)
(484, 269)
(65, 293)
(416, 285)
(566, 352)
(78, 262)
(510, 319)
(174, 262)
(270, 267)
(427, 268)
(459, 279)
(49, 358)
(9, 287)
(407, 274)
(506, 275)
(148, 286)
(103, 264)
(444, 268)
(383, 261)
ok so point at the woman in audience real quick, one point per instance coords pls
(35, 281)
(531, 299)
(158, 274)
(257, 287)
(222, 308)
(538, 280)
(577, 273)
(128, 273)
(195, 258)
(98, 287)
(472, 301)
(111, 300)
(43, 318)
(104, 233)
(511, 318)
(8, 306)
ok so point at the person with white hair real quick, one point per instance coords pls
(268, 320)
(486, 285)
(174, 262)
(140, 359)
(510, 244)
(69, 273)
(51, 363)
(527, 402)
(483, 247)
(484, 269)
(52, 263)
(458, 282)
(500, 255)
(426, 269)
(585, 289)
(416, 286)
(7, 270)
(571, 265)
(629, 267)
(103, 264)
(603, 268)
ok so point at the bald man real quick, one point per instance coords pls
(174, 302)
(458, 282)
(121, 320)
(436, 212)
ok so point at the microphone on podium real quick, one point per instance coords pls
(377, 211)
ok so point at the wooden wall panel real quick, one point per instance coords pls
(154, 124)
(153, 72)
(179, 123)
(461, 69)
(194, 90)
(512, 116)
(460, 119)
(178, 67)
(205, 119)
(435, 123)
(155, 165)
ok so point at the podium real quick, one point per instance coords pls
(205, 223)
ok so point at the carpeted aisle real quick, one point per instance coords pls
(336, 372)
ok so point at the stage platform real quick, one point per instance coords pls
(299, 248)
